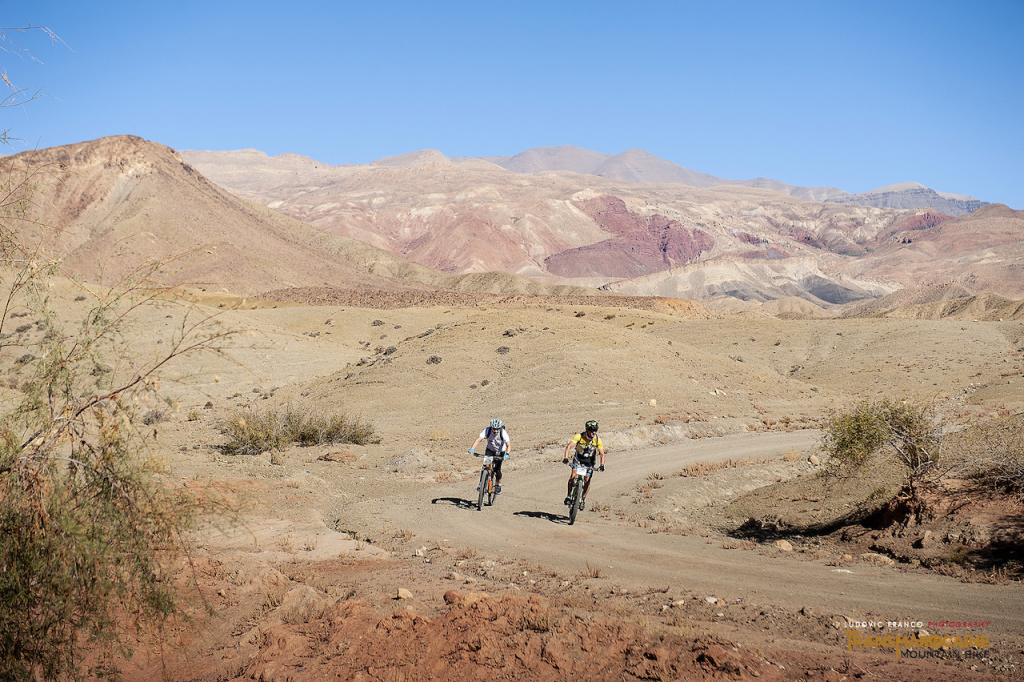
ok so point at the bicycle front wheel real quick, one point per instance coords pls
(485, 477)
(577, 495)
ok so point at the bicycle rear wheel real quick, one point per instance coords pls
(485, 477)
(492, 485)
(577, 495)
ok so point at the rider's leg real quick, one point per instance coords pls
(497, 467)
(586, 486)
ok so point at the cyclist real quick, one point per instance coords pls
(584, 446)
(498, 446)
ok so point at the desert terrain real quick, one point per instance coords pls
(711, 547)
(341, 547)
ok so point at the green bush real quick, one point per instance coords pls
(907, 430)
(253, 431)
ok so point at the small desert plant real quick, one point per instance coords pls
(253, 431)
(705, 468)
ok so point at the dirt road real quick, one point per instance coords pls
(528, 523)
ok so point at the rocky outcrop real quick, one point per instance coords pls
(913, 196)
(642, 245)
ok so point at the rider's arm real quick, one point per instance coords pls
(476, 442)
(508, 443)
(600, 451)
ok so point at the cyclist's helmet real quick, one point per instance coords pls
(496, 424)
(591, 426)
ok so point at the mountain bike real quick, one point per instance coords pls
(583, 474)
(487, 487)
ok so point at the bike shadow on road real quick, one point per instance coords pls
(547, 516)
(455, 502)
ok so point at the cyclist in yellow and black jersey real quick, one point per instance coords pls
(584, 446)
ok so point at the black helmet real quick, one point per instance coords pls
(591, 426)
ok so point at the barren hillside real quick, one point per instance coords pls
(469, 215)
(120, 205)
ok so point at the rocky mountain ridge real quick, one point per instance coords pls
(471, 225)
(750, 243)
(637, 165)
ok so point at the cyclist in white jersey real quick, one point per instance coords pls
(498, 446)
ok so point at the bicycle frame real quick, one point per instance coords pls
(583, 474)
(487, 483)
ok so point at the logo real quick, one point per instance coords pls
(921, 645)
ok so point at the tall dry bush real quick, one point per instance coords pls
(91, 530)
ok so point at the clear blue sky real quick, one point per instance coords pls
(850, 94)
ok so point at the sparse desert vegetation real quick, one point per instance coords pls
(356, 532)
(253, 430)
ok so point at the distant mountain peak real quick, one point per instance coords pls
(412, 159)
(898, 187)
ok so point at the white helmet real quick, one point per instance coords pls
(496, 424)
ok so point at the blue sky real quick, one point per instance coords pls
(855, 95)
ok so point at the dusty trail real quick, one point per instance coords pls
(529, 523)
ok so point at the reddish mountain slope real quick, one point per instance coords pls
(641, 245)
(470, 215)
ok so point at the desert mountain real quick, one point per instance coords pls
(633, 165)
(636, 165)
(116, 204)
(474, 215)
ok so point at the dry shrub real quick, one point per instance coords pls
(649, 486)
(252, 431)
(705, 468)
(992, 453)
(792, 456)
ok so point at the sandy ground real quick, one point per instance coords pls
(653, 545)
(330, 534)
